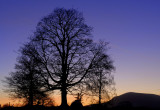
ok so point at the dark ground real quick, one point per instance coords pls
(84, 108)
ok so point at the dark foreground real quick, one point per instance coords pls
(83, 108)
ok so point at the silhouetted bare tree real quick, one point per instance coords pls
(65, 49)
(101, 81)
(25, 82)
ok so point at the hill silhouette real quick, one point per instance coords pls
(132, 99)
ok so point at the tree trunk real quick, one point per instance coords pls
(31, 90)
(64, 104)
(100, 95)
(100, 88)
(31, 100)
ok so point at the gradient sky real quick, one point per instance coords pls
(132, 27)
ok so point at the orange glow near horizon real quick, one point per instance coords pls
(56, 99)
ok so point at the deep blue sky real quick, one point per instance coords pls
(131, 26)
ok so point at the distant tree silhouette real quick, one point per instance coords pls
(101, 80)
(25, 82)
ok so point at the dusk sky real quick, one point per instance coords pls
(132, 27)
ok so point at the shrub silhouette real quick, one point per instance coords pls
(77, 105)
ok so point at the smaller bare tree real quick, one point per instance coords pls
(101, 81)
(25, 83)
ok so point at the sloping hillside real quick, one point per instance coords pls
(137, 100)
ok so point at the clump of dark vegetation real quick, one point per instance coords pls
(77, 106)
